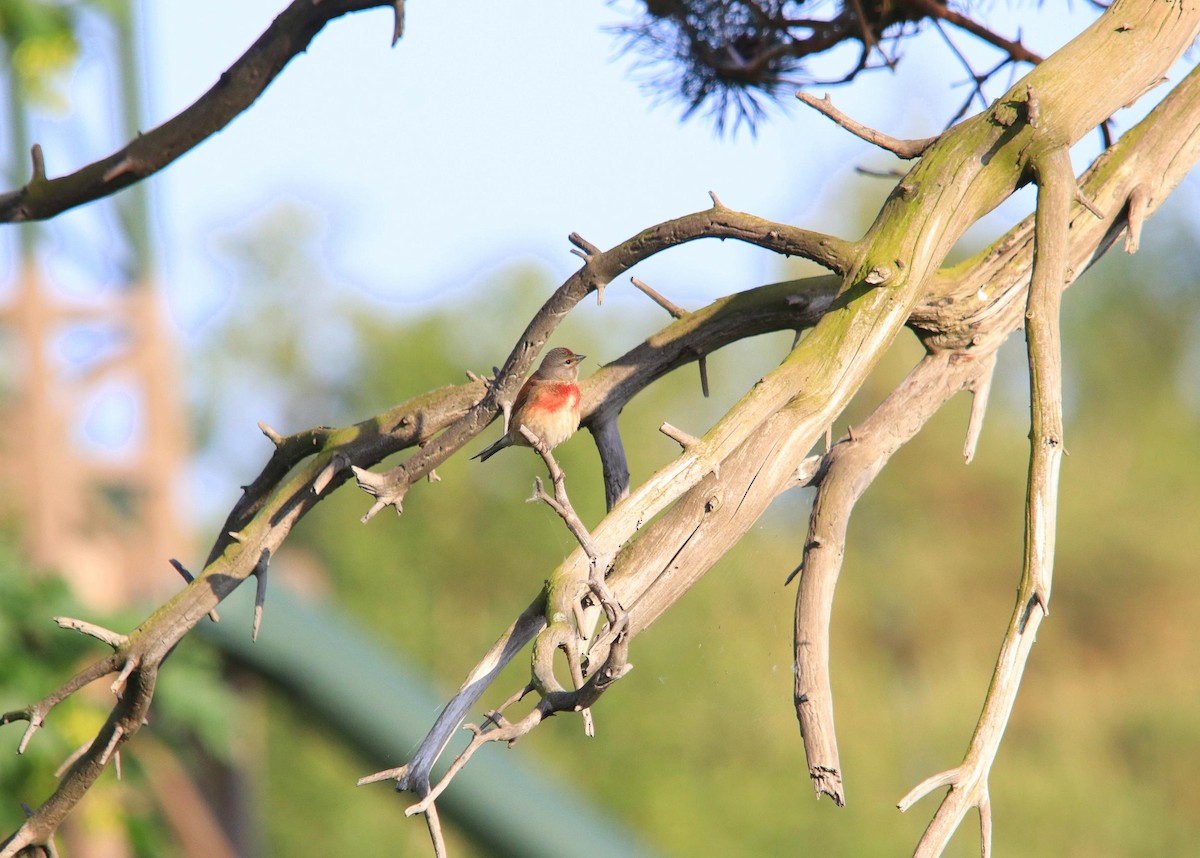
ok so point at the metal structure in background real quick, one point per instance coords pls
(101, 514)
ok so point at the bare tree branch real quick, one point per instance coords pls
(600, 267)
(848, 470)
(237, 88)
(907, 149)
(669, 531)
(968, 781)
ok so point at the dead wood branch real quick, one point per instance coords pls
(669, 531)
(969, 780)
(238, 87)
(600, 268)
(848, 470)
(906, 149)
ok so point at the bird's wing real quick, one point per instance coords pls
(523, 394)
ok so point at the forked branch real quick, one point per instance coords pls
(968, 782)
(847, 470)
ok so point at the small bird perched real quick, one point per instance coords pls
(547, 404)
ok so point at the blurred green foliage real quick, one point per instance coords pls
(698, 747)
(41, 47)
(192, 710)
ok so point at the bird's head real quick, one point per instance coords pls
(560, 364)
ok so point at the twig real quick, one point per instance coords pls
(561, 504)
(981, 389)
(616, 665)
(907, 149)
(667, 304)
(413, 776)
(1015, 50)
(113, 639)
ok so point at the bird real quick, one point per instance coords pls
(547, 404)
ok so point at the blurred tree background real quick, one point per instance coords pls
(703, 756)
(697, 751)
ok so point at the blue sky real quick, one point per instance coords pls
(487, 136)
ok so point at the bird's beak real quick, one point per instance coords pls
(580, 357)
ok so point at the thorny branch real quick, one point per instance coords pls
(701, 503)
(307, 466)
(237, 88)
(639, 578)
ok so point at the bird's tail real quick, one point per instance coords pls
(487, 453)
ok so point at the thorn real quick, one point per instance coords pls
(118, 686)
(717, 204)
(980, 390)
(125, 165)
(683, 439)
(338, 463)
(1139, 201)
(586, 248)
(703, 363)
(260, 592)
(182, 570)
(189, 578)
(398, 26)
(1042, 599)
(674, 309)
(432, 476)
(1087, 203)
(376, 507)
(271, 434)
(237, 536)
(109, 749)
(71, 758)
(39, 164)
(34, 724)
